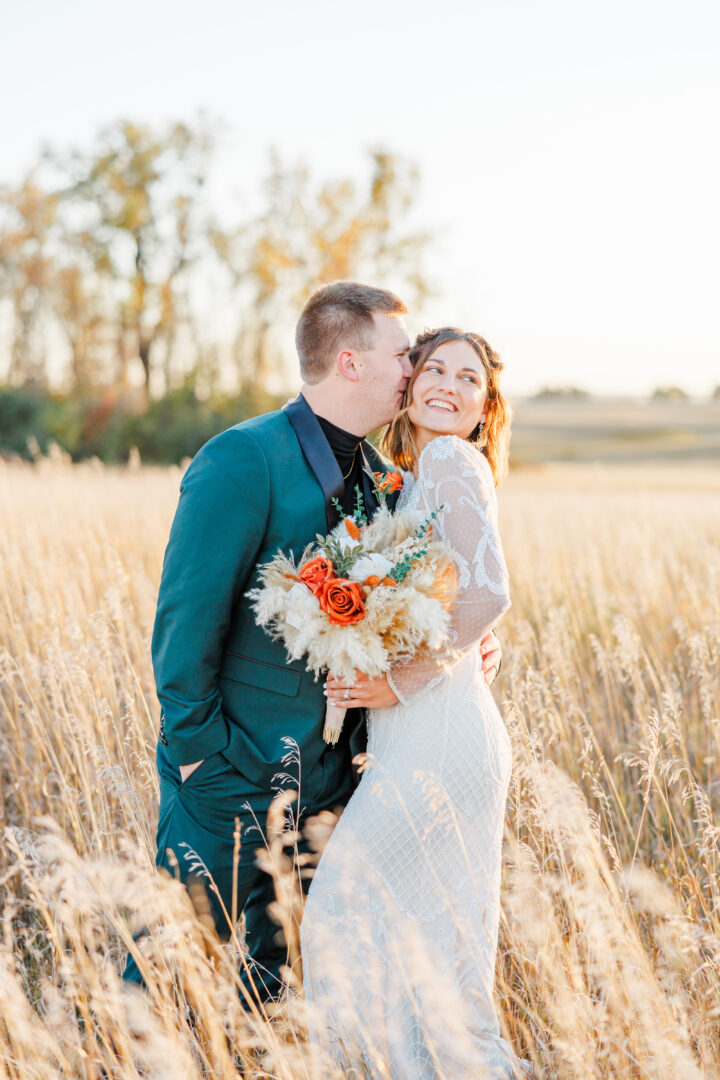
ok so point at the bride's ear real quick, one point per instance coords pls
(478, 429)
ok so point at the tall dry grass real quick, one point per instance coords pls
(609, 954)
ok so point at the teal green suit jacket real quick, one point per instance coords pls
(224, 685)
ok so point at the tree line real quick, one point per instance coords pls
(126, 302)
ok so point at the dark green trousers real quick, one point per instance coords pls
(196, 823)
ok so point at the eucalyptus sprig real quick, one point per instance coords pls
(359, 515)
(403, 566)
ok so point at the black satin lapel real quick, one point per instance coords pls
(392, 499)
(317, 453)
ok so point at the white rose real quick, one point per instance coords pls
(347, 543)
(370, 565)
(301, 605)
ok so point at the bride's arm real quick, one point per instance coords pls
(457, 477)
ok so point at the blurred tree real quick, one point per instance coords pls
(27, 266)
(309, 234)
(112, 274)
(77, 302)
(669, 393)
(47, 290)
(137, 197)
(561, 393)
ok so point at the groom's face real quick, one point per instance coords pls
(385, 369)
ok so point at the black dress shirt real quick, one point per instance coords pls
(348, 454)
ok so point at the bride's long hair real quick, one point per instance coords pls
(492, 438)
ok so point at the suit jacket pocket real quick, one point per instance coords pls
(260, 674)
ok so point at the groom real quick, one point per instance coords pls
(238, 717)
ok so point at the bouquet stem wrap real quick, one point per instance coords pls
(334, 720)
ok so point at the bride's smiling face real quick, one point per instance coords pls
(449, 393)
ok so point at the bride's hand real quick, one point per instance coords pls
(491, 651)
(362, 693)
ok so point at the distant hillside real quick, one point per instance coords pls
(596, 429)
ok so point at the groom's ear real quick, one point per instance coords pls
(346, 365)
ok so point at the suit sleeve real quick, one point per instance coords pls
(214, 543)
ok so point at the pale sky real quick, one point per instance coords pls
(569, 151)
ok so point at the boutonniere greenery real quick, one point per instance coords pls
(385, 484)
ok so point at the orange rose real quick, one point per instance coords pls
(316, 572)
(342, 600)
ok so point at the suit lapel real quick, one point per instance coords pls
(318, 454)
(392, 499)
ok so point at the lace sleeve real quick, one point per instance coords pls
(455, 476)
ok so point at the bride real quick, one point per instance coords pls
(399, 934)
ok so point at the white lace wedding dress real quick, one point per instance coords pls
(400, 928)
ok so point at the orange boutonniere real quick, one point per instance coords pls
(385, 483)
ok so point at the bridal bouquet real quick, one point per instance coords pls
(364, 597)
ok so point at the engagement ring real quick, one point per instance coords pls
(346, 695)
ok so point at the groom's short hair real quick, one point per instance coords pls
(339, 315)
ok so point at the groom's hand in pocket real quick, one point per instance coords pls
(186, 770)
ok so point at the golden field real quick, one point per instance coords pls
(609, 958)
